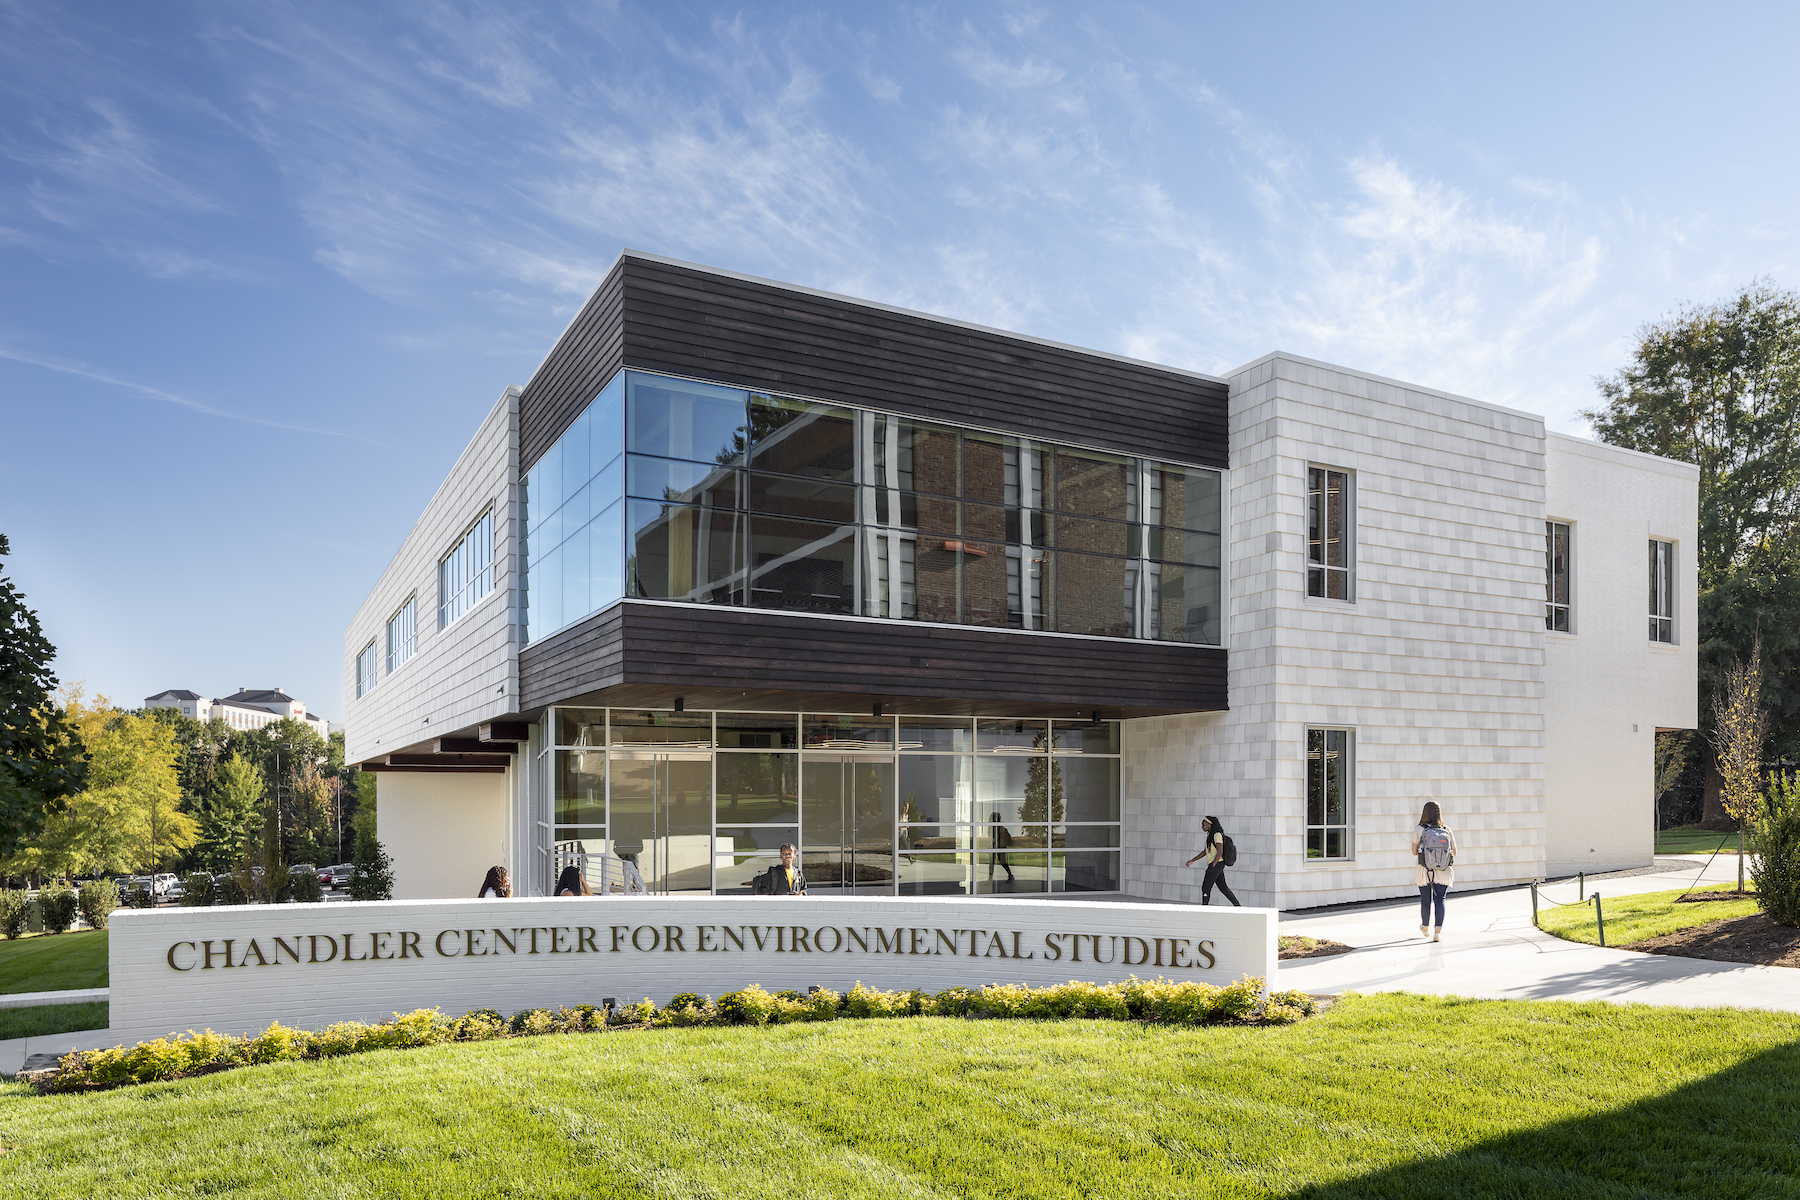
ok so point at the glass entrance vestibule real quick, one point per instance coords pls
(701, 802)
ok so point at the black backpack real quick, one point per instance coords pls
(1230, 856)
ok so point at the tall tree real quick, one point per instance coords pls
(41, 759)
(238, 792)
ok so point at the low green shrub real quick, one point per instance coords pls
(99, 897)
(304, 888)
(59, 906)
(197, 890)
(1153, 1000)
(14, 903)
(231, 890)
(1775, 846)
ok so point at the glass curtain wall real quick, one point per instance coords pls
(699, 802)
(669, 489)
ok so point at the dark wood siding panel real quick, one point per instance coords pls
(696, 323)
(775, 660)
(589, 352)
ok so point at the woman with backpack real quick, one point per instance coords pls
(1218, 850)
(1434, 852)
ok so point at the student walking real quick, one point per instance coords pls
(1219, 854)
(1434, 852)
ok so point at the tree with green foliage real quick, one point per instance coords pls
(238, 792)
(1718, 385)
(372, 872)
(42, 761)
(363, 784)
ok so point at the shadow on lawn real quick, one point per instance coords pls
(1730, 1135)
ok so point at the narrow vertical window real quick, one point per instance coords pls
(1330, 794)
(365, 672)
(402, 635)
(1328, 534)
(1662, 591)
(466, 574)
(1556, 577)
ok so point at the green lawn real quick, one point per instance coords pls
(52, 1018)
(1384, 1095)
(1691, 839)
(1634, 918)
(53, 962)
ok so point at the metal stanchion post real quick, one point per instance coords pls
(1600, 918)
(1534, 909)
(1581, 885)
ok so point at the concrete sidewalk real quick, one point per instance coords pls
(33, 999)
(1491, 950)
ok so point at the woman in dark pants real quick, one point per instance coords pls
(1214, 854)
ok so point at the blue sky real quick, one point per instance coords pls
(265, 266)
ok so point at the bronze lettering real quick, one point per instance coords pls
(255, 949)
(1074, 945)
(586, 944)
(1205, 950)
(439, 944)
(617, 932)
(378, 943)
(801, 936)
(700, 935)
(534, 933)
(348, 938)
(858, 938)
(736, 935)
(1015, 953)
(1159, 942)
(781, 939)
(994, 943)
(171, 956)
(471, 952)
(1177, 946)
(672, 938)
(1052, 950)
(756, 931)
(837, 938)
(409, 944)
(329, 941)
(207, 966)
(1143, 952)
(512, 943)
(884, 945)
(556, 938)
(655, 938)
(913, 938)
(1112, 942)
(281, 945)
(951, 939)
(973, 935)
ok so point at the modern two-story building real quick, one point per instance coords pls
(959, 611)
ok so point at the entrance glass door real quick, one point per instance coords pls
(662, 806)
(847, 823)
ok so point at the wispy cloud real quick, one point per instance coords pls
(82, 371)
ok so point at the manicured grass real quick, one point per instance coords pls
(1634, 918)
(1691, 839)
(54, 962)
(39, 1019)
(1385, 1095)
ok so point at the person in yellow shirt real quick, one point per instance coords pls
(784, 879)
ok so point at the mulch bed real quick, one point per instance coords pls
(1705, 897)
(1321, 948)
(1752, 939)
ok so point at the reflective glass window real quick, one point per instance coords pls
(1096, 594)
(985, 599)
(581, 787)
(912, 456)
(1183, 497)
(758, 731)
(1093, 484)
(1010, 735)
(1330, 793)
(1096, 537)
(656, 727)
(908, 510)
(956, 734)
(1084, 871)
(683, 482)
(1182, 604)
(795, 437)
(812, 499)
(679, 552)
(1006, 470)
(1085, 737)
(935, 789)
(757, 789)
(581, 727)
(802, 565)
(677, 418)
(1184, 546)
(1085, 789)
(735, 874)
(1084, 837)
(936, 874)
(938, 579)
(828, 732)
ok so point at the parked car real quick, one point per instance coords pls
(340, 875)
(303, 869)
(174, 891)
(162, 883)
(325, 877)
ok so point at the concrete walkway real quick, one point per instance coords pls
(73, 996)
(1491, 950)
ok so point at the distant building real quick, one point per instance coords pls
(245, 708)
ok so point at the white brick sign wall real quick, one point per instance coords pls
(236, 969)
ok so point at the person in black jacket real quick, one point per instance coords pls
(783, 879)
(1214, 854)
